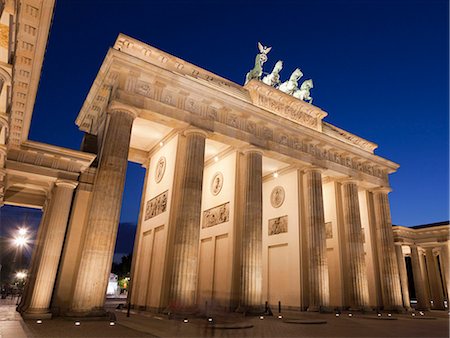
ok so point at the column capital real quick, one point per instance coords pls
(117, 107)
(349, 180)
(252, 149)
(196, 131)
(313, 168)
(437, 250)
(381, 190)
(66, 184)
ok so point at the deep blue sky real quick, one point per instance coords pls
(380, 70)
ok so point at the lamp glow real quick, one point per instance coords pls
(21, 275)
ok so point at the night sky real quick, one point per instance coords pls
(380, 70)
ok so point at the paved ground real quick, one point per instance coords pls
(151, 325)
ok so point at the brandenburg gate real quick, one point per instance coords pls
(249, 196)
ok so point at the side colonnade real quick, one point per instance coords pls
(422, 255)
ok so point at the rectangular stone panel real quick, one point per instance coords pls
(217, 215)
(329, 230)
(278, 225)
(156, 205)
(278, 281)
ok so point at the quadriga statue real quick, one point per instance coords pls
(260, 59)
(273, 79)
(291, 85)
(303, 92)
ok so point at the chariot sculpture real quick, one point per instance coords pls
(289, 87)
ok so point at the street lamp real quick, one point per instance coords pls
(21, 275)
(21, 239)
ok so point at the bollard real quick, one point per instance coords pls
(279, 306)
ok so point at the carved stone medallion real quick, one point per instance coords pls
(216, 183)
(277, 197)
(160, 169)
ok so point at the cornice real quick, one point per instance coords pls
(54, 157)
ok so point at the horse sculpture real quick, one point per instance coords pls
(291, 85)
(260, 59)
(303, 92)
(273, 79)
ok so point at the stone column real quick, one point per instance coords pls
(251, 236)
(419, 284)
(390, 279)
(403, 276)
(2, 6)
(359, 293)
(444, 261)
(36, 256)
(52, 239)
(319, 293)
(103, 220)
(434, 278)
(183, 287)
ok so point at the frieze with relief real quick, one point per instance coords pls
(278, 225)
(156, 205)
(217, 215)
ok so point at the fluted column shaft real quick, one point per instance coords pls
(316, 238)
(187, 222)
(443, 259)
(390, 279)
(359, 293)
(52, 243)
(36, 256)
(434, 279)
(251, 251)
(419, 284)
(403, 276)
(103, 219)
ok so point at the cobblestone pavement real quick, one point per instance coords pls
(432, 324)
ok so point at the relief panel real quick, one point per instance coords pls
(217, 215)
(156, 205)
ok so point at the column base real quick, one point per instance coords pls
(319, 308)
(98, 314)
(360, 309)
(396, 309)
(182, 311)
(36, 314)
(251, 310)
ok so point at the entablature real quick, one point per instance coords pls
(427, 236)
(50, 156)
(157, 90)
